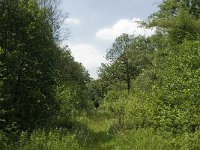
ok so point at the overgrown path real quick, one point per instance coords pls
(98, 126)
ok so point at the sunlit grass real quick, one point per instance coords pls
(99, 131)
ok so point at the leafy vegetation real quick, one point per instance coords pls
(148, 91)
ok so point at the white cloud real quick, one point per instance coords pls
(124, 26)
(88, 55)
(73, 21)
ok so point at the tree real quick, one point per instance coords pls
(177, 89)
(28, 64)
(71, 90)
(128, 57)
(176, 67)
(179, 20)
(118, 59)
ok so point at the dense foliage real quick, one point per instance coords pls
(38, 79)
(165, 83)
(148, 91)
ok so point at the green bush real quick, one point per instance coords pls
(138, 111)
(54, 140)
(3, 140)
(150, 139)
(141, 139)
(131, 111)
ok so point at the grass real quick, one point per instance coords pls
(98, 124)
(99, 131)
(103, 133)
(101, 137)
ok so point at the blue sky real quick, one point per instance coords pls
(94, 24)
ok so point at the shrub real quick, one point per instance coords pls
(141, 139)
(54, 140)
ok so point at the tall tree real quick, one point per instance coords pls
(28, 63)
(178, 19)
(117, 57)
(128, 56)
(71, 90)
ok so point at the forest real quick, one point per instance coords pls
(146, 97)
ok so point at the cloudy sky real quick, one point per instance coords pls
(94, 24)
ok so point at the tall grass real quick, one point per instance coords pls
(98, 132)
(140, 139)
(54, 140)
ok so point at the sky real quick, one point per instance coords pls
(93, 26)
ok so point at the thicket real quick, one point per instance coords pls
(154, 82)
(40, 83)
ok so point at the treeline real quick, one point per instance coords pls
(154, 82)
(39, 80)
